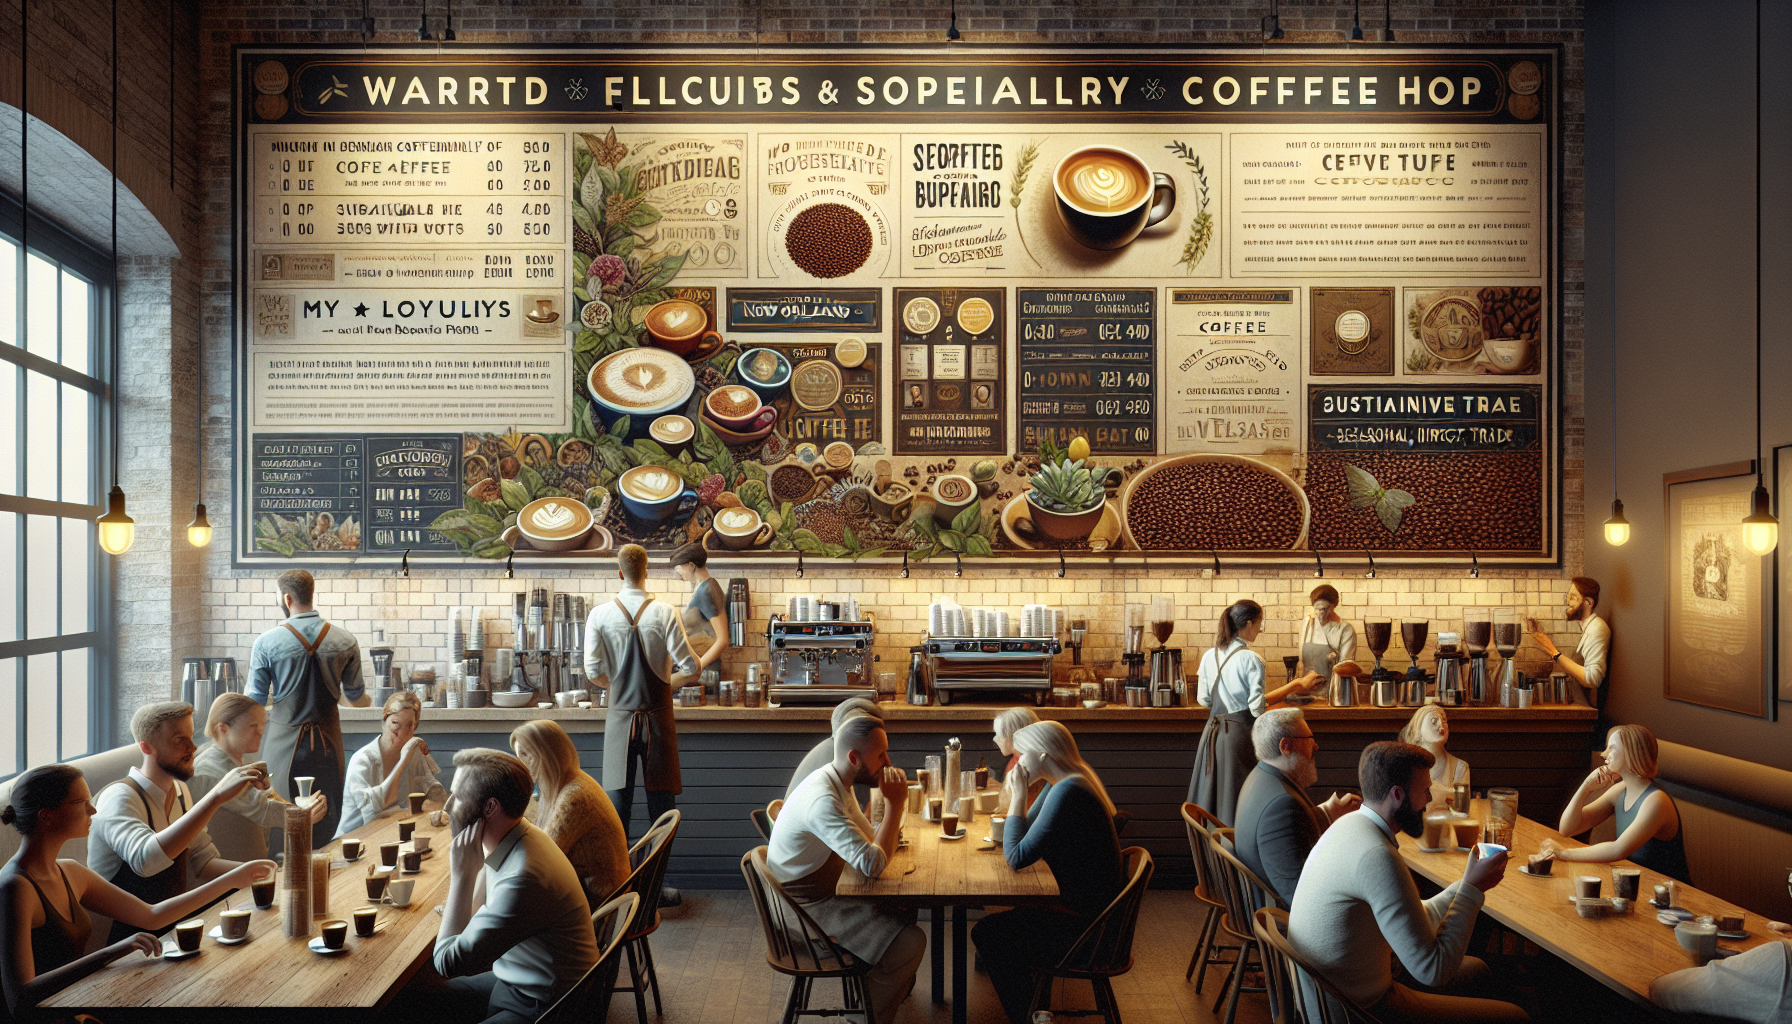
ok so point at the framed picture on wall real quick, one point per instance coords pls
(1719, 612)
(1782, 578)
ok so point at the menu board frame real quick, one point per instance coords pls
(1173, 87)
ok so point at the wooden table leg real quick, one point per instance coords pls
(938, 952)
(961, 966)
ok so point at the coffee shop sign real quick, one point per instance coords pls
(1462, 86)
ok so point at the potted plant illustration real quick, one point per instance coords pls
(1066, 497)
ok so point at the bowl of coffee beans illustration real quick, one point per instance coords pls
(1214, 502)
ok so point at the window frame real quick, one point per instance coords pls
(69, 254)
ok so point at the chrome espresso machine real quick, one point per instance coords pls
(995, 666)
(820, 662)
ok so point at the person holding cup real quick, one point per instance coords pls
(240, 827)
(1649, 827)
(1016, 797)
(384, 773)
(822, 754)
(706, 614)
(44, 900)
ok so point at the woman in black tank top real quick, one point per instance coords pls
(49, 898)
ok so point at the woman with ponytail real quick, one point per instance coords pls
(1232, 690)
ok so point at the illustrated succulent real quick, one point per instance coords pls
(1067, 486)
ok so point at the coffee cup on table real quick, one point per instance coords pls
(917, 796)
(351, 848)
(389, 854)
(420, 843)
(949, 822)
(1697, 938)
(334, 932)
(680, 326)
(1467, 832)
(187, 933)
(673, 433)
(1106, 196)
(651, 493)
(406, 829)
(1437, 831)
(263, 889)
(997, 822)
(234, 924)
(416, 801)
(740, 528)
(377, 882)
(1543, 865)
(366, 920)
(1587, 886)
(398, 893)
(1626, 882)
(734, 406)
(640, 384)
(413, 861)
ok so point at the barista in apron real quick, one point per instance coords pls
(706, 615)
(1326, 639)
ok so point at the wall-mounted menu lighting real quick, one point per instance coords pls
(1474, 570)
(1272, 22)
(1371, 573)
(1318, 565)
(952, 33)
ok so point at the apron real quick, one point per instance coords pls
(304, 737)
(1224, 757)
(165, 884)
(865, 929)
(640, 712)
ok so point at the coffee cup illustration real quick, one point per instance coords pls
(544, 311)
(1106, 196)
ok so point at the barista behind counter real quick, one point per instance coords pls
(1586, 665)
(1326, 641)
(706, 614)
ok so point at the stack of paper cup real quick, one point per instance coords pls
(1004, 625)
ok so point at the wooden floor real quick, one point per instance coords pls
(711, 961)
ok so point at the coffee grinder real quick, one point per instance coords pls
(1449, 671)
(1477, 634)
(1505, 640)
(1378, 633)
(1134, 654)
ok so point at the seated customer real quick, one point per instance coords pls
(822, 753)
(574, 810)
(1015, 800)
(530, 940)
(1755, 986)
(1071, 828)
(1648, 822)
(1357, 906)
(396, 764)
(240, 828)
(44, 901)
(1278, 823)
(149, 836)
(1429, 727)
(821, 830)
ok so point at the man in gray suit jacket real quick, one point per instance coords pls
(1278, 823)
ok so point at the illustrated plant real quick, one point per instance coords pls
(1066, 483)
(1200, 228)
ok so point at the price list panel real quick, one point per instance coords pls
(1086, 368)
(307, 493)
(410, 481)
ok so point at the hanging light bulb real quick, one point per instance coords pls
(117, 530)
(199, 531)
(1356, 24)
(1760, 531)
(1617, 528)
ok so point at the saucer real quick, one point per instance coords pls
(316, 945)
(1525, 869)
(1670, 918)
(954, 837)
(171, 951)
(1733, 936)
(217, 933)
(1437, 849)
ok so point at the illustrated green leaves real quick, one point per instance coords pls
(1390, 504)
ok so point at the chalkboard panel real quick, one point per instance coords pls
(411, 481)
(317, 493)
(1087, 361)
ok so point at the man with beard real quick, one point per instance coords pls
(821, 830)
(149, 836)
(531, 939)
(1357, 906)
(1278, 823)
(1586, 665)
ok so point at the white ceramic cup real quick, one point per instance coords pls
(398, 891)
(420, 843)
(305, 783)
(996, 821)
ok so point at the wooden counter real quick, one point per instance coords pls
(735, 759)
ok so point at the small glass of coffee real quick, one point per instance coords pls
(264, 893)
(351, 849)
(1437, 827)
(389, 854)
(376, 884)
(413, 862)
(949, 823)
(1626, 882)
(366, 919)
(416, 800)
(1468, 832)
(406, 829)
(933, 807)
(234, 924)
(334, 932)
(187, 933)
(1587, 886)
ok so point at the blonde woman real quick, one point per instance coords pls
(1429, 727)
(573, 809)
(1624, 787)
(388, 770)
(1015, 798)
(1071, 828)
(240, 828)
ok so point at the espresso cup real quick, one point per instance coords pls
(734, 406)
(187, 933)
(1107, 196)
(334, 932)
(997, 822)
(1587, 886)
(399, 892)
(413, 862)
(376, 884)
(1467, 832)
(406, 829)
(366, 920)
(673, 433)
(1437, 826)
(389, 854)
(1730, 923)
(949, 823)
(351, 849)
(234, 924)
(765, 371)
(1546, 866)
(651, 493)
(740, 528)
(1626, 882)
(1698, 939)
(679, 325)
(264, 894)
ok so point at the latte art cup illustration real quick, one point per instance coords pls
(651, 494)
(681, 326)
(1106, 196)
(733, 406)
(555, 524)
(740, 528)
(673, 433)
(952, 493)
(642, 384)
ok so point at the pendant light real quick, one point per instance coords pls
(117, 530)
(199, 531)
(1760, 531)
(1356, 23)
(1617, 528)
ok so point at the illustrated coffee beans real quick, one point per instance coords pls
(1480, 501)
(829, 240)
(1212, 505)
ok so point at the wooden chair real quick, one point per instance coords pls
(798, 947)
(762, 819)
(1320, 1000)
(1104, 950)
(648, 859)
(1244, 892)
(1209, 950)
(610, 922)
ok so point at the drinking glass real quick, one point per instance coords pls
(1502, 815)
(932, 763)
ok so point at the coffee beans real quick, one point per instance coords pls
(1511, 312)
(1467, 501)
(829, 240)
(791, 483)
(825, 518)
(1212, 505)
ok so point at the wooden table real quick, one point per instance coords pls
(1624, 952)
(271, 970)
(933, 873)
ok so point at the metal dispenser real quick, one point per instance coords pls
(1505, 640)
(1477, 634)
(1450, 671)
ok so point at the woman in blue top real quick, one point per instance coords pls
(1071, 827)
(1648, 822)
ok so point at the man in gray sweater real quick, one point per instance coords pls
(1357, 906)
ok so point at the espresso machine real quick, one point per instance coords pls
(1450, 673)
(551, 634)
(820, 662)
(1006, 666)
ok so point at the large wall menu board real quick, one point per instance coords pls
(1129, 303)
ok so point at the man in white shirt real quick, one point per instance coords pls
(821, 830)
(1587, 664)
(1357, 907)
(531, 940)
(149, 836)
(1755, 986)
